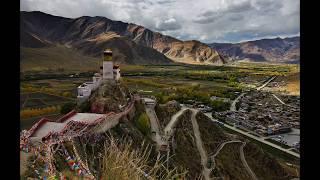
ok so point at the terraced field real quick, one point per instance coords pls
(40, 100)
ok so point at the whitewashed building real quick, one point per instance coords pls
(109, 71)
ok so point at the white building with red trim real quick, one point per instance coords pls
(109, 72)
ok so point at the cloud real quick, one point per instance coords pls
(168, 25)
(239, 6)
(236, 17)
(205, 20)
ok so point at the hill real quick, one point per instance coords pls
(132, 44)
(228, 162)
(56, 57)
(285, 50)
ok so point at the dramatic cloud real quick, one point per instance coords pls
(204, 20)
(168, 25)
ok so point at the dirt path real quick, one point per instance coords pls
(263, 85)
(218, 151)
(244, 162)
(154, 122)
(203, 154)
(277, 98)
(233, 104)
(173, 121)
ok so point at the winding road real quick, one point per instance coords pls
(233, 104)
(244, 162)
(173, 122)
(218, 151)
(203, 155)
(154, 125)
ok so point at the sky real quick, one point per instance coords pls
(204, 20)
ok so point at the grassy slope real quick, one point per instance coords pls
(228, 161)
(293, 84)
(164, 113)
(212, 135)
(271, 168)
(38, 59)
(186, 154)
(229, 164)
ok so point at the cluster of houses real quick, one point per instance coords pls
(243, 120)
(261, 113)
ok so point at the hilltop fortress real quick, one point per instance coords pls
(110, 103)
(109, 72)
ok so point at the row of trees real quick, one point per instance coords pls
(33, 112)
(182, 95)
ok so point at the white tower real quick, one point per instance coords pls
(116, 72)
(107, 65)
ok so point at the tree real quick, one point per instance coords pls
(143, 123)
(84, 107)
(218, 105)
(67, 107)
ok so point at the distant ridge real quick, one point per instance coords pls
(286, 50)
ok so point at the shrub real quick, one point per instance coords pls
(67, 107)
(218, 105)
(84, 107)
(143, 123)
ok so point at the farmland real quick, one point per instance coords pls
(166, 82)
(40, 100)
(45, 97)
(221, 81)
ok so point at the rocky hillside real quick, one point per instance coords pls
(285, 50)
(132, 44)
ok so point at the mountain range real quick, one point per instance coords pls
(131, 43)
(286, 50)
(44, 38)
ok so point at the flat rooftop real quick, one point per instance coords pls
(57, 127)
(85, 117)
(48, 127)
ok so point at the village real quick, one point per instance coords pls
(263, 115)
